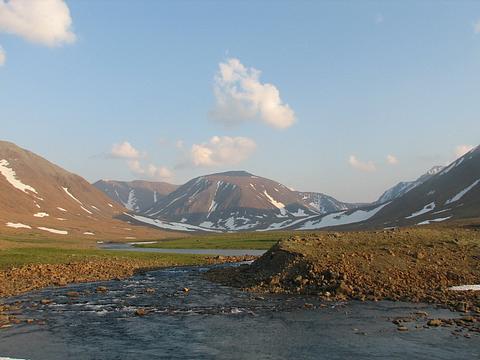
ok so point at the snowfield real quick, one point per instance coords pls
(341, 218)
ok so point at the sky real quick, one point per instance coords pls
(341, 97)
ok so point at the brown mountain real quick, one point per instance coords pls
(138, 196)
(38, 197)
(233, 201)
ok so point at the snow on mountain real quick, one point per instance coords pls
(325, 204)
(405, 186)
(453, 192)
(232, 201)
(38, 197)
(137, 196)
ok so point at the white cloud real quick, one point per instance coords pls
(219, 151)
(476, 27)
(368, 166)
(124, 151)
(3, 56)
(46, 22)
(461, 150)
(159, 173)
(392, 160)
(151, 171)
(240, 96)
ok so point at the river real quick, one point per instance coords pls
(211, 321)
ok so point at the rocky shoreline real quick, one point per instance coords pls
(407, 265)
(18, 280)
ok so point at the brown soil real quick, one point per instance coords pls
(415, 265)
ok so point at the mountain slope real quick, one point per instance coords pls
(453, 193)
(405, 186)
(232, 201)
(325, 204)
(138, 196)
(38, 197)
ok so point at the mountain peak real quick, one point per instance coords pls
(234, 173)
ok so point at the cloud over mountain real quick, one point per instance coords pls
(241, 96)
(222, 150)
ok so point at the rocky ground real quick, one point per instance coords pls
(413, 265)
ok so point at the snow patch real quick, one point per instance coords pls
(88, 233)
(465, 288)
(61, 209)
(18, 225)
(73, 197)
(11, 177)
(426, 222)
(41, 214)
(86, 210)
(280, 206)
(461, 193)
(54, 231)
(427, 208)
(167, 225)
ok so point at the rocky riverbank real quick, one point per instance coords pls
(414, 265)
(18, 280)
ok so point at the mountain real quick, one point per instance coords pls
(38, 197)
(325, 204)
(405, 186)
(231, 201)
(138, 196)
(450, 194)
(453, 193)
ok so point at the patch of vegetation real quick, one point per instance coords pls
(252, 240)
(23, 256)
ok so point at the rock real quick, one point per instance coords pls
(101, 289)
(72, 294)
(45, 301)
(435, 322)
(402, 328)
(308, 306)
(150, 290)
(185, 290)
(140, 312)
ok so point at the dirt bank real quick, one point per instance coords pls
(415, 265)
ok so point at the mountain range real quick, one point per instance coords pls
(37, 196)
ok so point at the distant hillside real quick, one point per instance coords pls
(138, 196)
(405, 186)
(232, 201)
(450, 194)
(325, 204)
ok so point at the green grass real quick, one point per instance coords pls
(254, 241)
(22, 256)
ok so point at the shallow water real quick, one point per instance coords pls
(220, 252)
(217, 322)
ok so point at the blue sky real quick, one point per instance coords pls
(351, 83)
